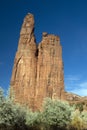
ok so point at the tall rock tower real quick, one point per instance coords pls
(50, 77)
(37, 71)
(23, 80)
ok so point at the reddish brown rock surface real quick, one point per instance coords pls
(23, 80)
(37, 71)
(50, 78)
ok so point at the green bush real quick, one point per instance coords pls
(11, 115)
(56, 114)
(79, 106)
(78, 120)
(32, 120)
(84, 118)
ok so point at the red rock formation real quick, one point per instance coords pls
(50, 77)
(23, 80)
(37, 72)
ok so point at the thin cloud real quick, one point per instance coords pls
(81, 92)
(75, 85)
(71, 82)
(83, 85)
(80, 89)
(72, 78)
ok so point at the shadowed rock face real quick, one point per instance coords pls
(37, 71)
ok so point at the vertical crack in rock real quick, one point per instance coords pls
(16, 67)
(37, 71)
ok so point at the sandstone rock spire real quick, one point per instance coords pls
(27, 34)
(23, 81)
(50, 77)
(37, 71)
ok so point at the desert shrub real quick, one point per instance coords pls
(84, 119)
(56, 114)
(76, 121)
(32, 120)
(12, 116)
(79, 106)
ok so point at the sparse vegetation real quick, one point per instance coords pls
(79, 106)
(56, 115)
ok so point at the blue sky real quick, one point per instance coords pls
(66, 18)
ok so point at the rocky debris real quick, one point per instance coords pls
(72, 97)
(77, 100)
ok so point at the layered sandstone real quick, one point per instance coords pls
(37, 71)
